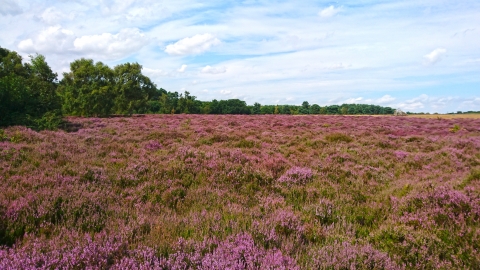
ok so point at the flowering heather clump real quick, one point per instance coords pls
(236, 252)
(242, 192)
(153, 145)
(296, 175)
(401, 154)
(347, 256)
(47, 254)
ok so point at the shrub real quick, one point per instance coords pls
(338, 137)
(344, 255)
(296, 175)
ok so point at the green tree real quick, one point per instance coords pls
(187, 104)
(267, 109)
(305, 109)
(314, 109)
(13, 89)
(256, 108)
(132, 89)
(88, 89)
(28, 92)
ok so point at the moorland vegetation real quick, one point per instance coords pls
(242, 192)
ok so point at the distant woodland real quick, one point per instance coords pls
(32, 95)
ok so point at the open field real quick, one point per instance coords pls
(242, 192)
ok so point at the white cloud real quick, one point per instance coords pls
(435, 56)
(328, 12)
(193, 45)
(472, 104)
(416, 103)
(353, 100)
(52, 16)
(225, 92)
(53, 39)
(385, 99)
(411, 106)
(213, 70)
(9, 7)
(154, 73)
(182, 68)
(112, 46)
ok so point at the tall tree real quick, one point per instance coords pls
(88, 89)
(256, 108)
(305, 109)
(28, 93)
(315, 109)
(132, 89)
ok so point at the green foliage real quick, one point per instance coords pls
(243, 143)
(338, 137)
(88, 89)
(455, 129)
(230, 106)
(315, 109)
(305, 109)
(256, 108)
(28, 92)
(132, 89)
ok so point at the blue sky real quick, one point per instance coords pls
(416, 55)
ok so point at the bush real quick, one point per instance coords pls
(338, 137)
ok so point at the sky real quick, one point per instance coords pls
(414, 55)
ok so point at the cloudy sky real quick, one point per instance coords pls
(417, 55)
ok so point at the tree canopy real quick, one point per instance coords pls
(28, 92)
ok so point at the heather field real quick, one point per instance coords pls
(242, 192)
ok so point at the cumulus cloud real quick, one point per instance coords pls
(52, 16)
(154, 73)
(385, 99)
(182, 68)
(213, 70)
(193, 45)
(53, 39)
(471, 104)
(225, 92)
(414, 103)
(9, 7)
(435, 56)
(110, 45)
(353, 100)
(328, 12)
(429, 103)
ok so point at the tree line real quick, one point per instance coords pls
(32, 95)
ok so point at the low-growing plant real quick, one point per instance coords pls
(267, 192)
(455, 128)
(338, 137)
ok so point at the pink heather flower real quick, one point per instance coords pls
(401, 154)
(153, 145)
(296, 175)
